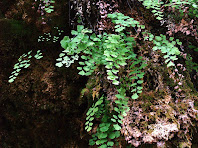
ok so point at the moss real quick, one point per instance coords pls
(190, 85)
(196, 104)
(146, 97)
(146, 106)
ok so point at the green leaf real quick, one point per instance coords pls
(102, 135)
(90, 43)
(109, 58)
(91, 142)
(81, 63)
(110, 143)
(130, 39)
(91, 114)
(98, 142)
(143, 65)
(86, 68)
(59, 64)
(115, 116)
(16, 66)
(11, 80)
(171, 38)
(113, 120)
(166, 56)
(134, 90)
(159, 18)
(90, 124)
(116, 109)
(86, 127)
(109, 66)
(121, 117)
(111, 78)
(158, 38)
(116, 65)
(173, 42)
(82, 46)
(64, 42)
(104, 124)
(80, 28)
(124, 114)
(117, 134)
(132, 78)
(103, 146)
(122, 63)
(48, 10)
(73, 32)
(135, 96)
(119, 96)
(79, 68)
(115, 82)
(173, 58)
(81, 73)
(140, 81)
(154, 11)
(170, 64)
(89, 129)
(115, 71)
(120, 121)
(117, 127)
(155, 48)
(89, 111)
(140, 75)
(179, 43)
(95, 109)
(84, 57)
(139, 88)
(62, 54)
(104, 129)
(134, 84)
(92, 118)
(99, 102)
(120, 29)
(87, 121)
(112, 135)
(39, 57)
(142, 26)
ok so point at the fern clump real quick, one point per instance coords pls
(155, 5)
(47, 37)
(167, 47)
(109, 128)
(115, 53)
(23, 62)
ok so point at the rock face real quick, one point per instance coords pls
(5, 4)
(42, 107)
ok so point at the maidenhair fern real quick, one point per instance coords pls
(109, 50)
(23, 62)
(96, 110)
(49, 8)
(47, 37)
(115, 53)
(167, 47)
(108, 130)
(156, 5)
